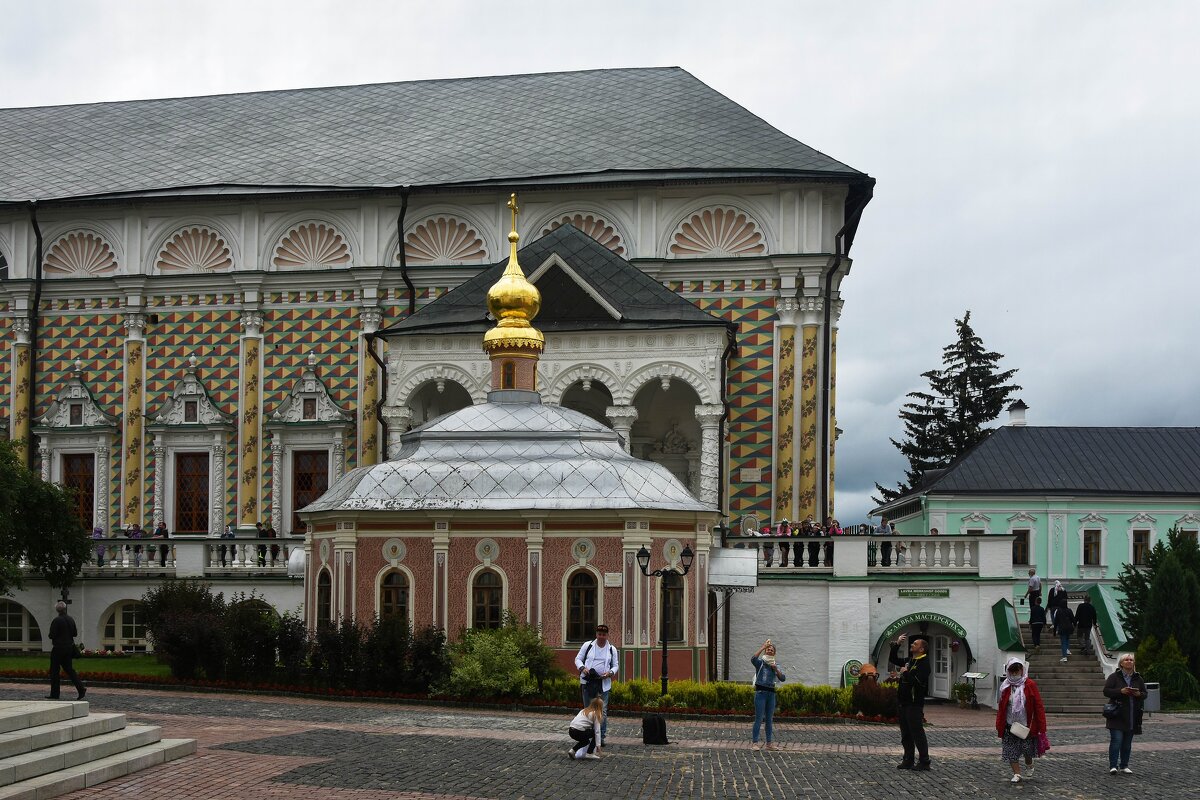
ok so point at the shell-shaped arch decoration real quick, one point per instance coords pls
(312, 245)
(443, 240)
(596, 227)
(80, 255)
(195, 249)
(718, 232)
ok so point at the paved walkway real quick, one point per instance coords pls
(295, 749)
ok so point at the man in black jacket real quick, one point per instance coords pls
(914, 683)
(1085, 620)
(62, 650)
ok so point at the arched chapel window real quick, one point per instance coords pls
(581, 606)
(393, 595)
(508, 375)
(324, 598)
(486, 600)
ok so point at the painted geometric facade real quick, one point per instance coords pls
(750, 391)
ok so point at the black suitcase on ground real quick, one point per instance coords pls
(654, 729)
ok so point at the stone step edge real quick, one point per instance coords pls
(53, 710)
(96, 772)
(40, 737)
(71, 754)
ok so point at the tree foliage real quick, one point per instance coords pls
(949, 418)
(1162, 598)
(36, 523)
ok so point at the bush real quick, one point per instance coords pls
(250, 628)
(430, 661)
(185, 622)
(797, 698)
(293, 644)
(487, 663)
(336, 657)
(873, 699)
(538, 657)
(1177, 683)
(386, 653)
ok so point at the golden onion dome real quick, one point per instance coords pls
(513, 301)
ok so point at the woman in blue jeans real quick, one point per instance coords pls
(766, 674)
(1126, 688)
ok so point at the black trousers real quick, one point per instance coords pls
(1036, 629)
(60, 658)
(584, 738)
(912, 733)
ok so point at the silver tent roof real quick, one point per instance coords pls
(510, 456)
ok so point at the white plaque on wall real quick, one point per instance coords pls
(612, 579)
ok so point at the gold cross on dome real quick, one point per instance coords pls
(512, 204)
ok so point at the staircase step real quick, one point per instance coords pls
(69, 730)
(71, 754)
(18, 714)
(95, 772)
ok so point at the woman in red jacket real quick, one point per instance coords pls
(1020, 703)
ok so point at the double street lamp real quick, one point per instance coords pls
(668, 575)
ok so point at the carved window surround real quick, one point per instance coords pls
(75, 423)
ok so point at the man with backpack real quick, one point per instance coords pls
(597, 663)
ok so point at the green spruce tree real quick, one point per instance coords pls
(964, 397)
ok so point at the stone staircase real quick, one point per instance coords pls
(54, 747)
(1076, 687)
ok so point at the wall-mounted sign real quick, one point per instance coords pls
(924, 592)
(612, 579)
(923, 616)
(850, 672)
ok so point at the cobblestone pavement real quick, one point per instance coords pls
(255, 747)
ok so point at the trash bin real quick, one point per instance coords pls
(1153, 698)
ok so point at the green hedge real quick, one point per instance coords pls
(792, 698)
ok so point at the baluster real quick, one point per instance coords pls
(967, 557)
(924, 558)
(951, 554)
(937, 554)
(825, 554)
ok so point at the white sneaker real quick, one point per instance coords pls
(592, 757)
(1015, 779)
(755, 746)
(1068, 652)
(1127, 770)
(1112, 771)
(1029, 770)
(1063, 660)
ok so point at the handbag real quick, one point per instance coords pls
(1111, 710)
(1018, 730)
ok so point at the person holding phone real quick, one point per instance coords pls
(1126, 688)
(766, 673)
(914, 684)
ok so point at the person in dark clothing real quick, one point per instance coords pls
(1085, 620)
(160, 532)
(1037, 620)
(1064, 624)
(1126, 688)
(1056, 599)
(62, 650)
(914, 683)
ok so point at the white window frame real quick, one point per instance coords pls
(1093, 522)
(492, 565)
(176, 442)
(383, 573)
(292, 441)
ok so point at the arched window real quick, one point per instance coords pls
(673, 608)
(581, 606)
(125, 628)
(508, 375)
(18, 629)
(487, 600)
(393, 595)
(324, 598)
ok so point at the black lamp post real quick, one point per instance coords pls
(668, 575)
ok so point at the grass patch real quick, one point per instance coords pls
(127, 665)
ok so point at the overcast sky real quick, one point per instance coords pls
(1036, 161)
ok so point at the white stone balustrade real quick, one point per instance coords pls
(192, 556)
(861, 556)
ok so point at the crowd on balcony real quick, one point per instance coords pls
(815, 553)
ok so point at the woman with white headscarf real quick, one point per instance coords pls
(1020, 719)
(1056, 599)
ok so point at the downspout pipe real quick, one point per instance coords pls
(730, 349)
(383, 424)
(857, 200)
(34, 316)
(384, 433)
(408, 284)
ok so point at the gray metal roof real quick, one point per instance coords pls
(640, 300)
(621, 124)
(1077, 461)
(509, 456)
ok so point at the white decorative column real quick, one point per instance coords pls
(339, 456)
(104, 482)
(710, 416)
(533, 549)
(398, 418)
(276, 482)
(622, 419)
(160, 478)
(216, 521)
(44, 457)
